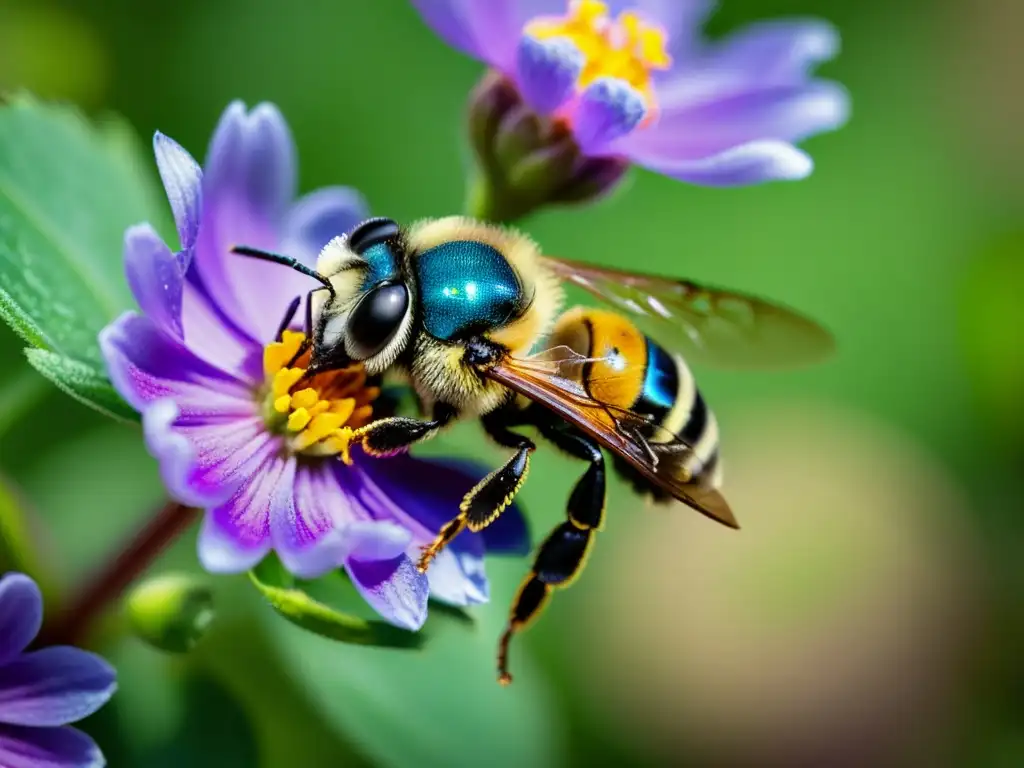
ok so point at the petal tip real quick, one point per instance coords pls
(609, 109)
(547, 71)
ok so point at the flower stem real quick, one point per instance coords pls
(486, 203)
(71, 625)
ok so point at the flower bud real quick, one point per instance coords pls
(525, 160)
(171, 612)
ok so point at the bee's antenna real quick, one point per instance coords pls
(288, 261)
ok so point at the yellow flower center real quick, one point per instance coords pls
(626, 47)
(318, 417)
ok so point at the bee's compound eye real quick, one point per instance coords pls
(375, 319)
(371, 232)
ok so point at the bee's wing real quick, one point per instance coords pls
(615, 428)
(706, 325)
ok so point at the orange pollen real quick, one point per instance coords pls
(316, 416)
(626, 47)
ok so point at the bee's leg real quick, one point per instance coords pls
(563, 554)
(307, 342)
(492, 495)
(289, 315)
(387, 436)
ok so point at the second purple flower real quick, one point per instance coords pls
(634, 82)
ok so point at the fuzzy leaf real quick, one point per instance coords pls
(68, 191)
(293, 600)
(83, 382)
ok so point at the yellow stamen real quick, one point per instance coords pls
(343, 408)
(317, 420)
(626, 48)
(285, 379)
(276, 354)
(305, 398)
(318, 429)
(298, 419)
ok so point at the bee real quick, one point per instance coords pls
(471, 314)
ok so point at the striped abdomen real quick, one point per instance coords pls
(670, 395)
(631, 371)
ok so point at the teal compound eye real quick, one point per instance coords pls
(375, 240)
(466, 287)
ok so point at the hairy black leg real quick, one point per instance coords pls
(492, 495)
(562, 556)
(390, 435)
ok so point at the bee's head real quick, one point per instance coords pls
(367, 316)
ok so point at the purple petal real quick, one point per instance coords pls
(155, 276)
(787, 114)
(22, 747)
(393, 588)
(21, 614)
(546, 71)
(216, 341)
(779, 52)
(54, 686)
(458, 578)
(146, 365)
(303, 532)
(753, 163)
(319, 217)
(174, 454)
(375, 540)
(201, 465)
(608, 109)
(226, 454)
(236, 534)
(249, 181)
(485, 30)
(182, 180)
(251, 163)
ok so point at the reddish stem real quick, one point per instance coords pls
(71, 624)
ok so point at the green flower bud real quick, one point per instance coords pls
(526, 161)
(171, 612)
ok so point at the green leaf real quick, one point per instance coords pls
(68, 191)
(83, 382)
(441, 707)
(322, 614)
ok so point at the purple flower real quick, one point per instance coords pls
(632, 80)
(221, 406)
(42, 691)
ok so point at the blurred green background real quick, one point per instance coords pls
(869, 612)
